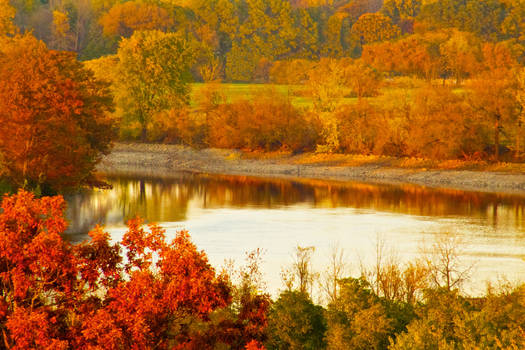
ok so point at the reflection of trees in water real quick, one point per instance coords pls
(155, 200)
(405, 199)
(167, 199)
(84, 212)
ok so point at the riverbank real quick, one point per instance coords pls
(163, 160)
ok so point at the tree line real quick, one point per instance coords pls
(353, 108)
(394, 79)
(242, 37)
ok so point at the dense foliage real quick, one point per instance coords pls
(55, 120)
(243, 35)
(163, 295)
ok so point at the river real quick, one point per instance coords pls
(228, 216)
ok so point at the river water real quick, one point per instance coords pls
(228, 216)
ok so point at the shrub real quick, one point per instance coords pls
(268, 122)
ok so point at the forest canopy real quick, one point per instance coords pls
(243, 34)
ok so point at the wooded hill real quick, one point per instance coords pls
(239, 40)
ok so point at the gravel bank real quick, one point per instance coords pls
(163, 160)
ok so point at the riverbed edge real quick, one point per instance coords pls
(158, 160)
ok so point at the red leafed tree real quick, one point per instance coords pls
(56, 295)
(54, 120)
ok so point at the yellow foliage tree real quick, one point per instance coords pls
(153, 75)
(61, 30)
(7, 14)
(373, 27)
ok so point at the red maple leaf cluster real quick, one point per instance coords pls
(141, 293)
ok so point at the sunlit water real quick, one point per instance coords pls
(228, 216)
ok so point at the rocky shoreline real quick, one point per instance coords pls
(157, 160)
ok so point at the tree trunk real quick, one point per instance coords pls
(144, 134)
(518, 144)
(518, 141)
(496, 139)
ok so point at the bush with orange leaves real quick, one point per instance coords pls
(179, 126)
(56, 295)
(268, 122)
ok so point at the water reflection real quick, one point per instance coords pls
(169, 200)
(230, 215)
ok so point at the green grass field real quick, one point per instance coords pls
(237, 92)
(393, 92)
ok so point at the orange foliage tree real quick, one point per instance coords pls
(54, 123)
(409, 56)
(57, 295)
(126, 18)
(442, 126)
(268, 122)
(493, 93)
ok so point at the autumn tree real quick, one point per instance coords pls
(501, 319)
(307, 36)
(7, 14)
(153, 75)
(373, 27)
(448, 320)
(293, 72)
(413, 55)
(333, 35)
(520, 98)
(268, 122)
(219, 21)
(356, 8)
(57, 295)
(358, 127)
(513, 25)
(357, 320)
(61, 31)
(244, 323)
(445, 268)
(493, 100)
(482, 18)
(362, 79)
(162, 298)
(54, 117)
(123, 19)
(303, 270)
(442, 126)
(327, 84)
(334, 272)
(461, 54)
(295, 322)
(267, 30)
(401, 9)
(442, 323)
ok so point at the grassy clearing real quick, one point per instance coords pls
(298, 94)
(393, 91)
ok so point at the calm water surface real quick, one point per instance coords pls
(230, 215)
